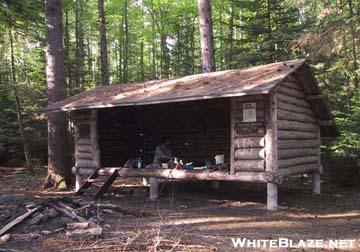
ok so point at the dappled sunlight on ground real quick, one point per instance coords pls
(194, 215)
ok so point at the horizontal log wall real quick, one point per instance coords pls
(86, 151)
(298, 138)
(248, 148)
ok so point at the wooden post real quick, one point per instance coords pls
(78, 178)
(271, 148)
(78, 181)
(316, 182)
(232, 135)
(153, 188)
(95, 139)
(316, 179)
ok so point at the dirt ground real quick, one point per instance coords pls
(188, 216)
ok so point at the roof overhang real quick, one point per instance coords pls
(230, 83)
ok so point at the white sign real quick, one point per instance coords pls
(249, 112)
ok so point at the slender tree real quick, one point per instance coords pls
(142, 71)
(354, 43)
(120, 51)
(17, 99)
(68, 67)
(126, 44)
(230, 40)
(80, 45)
(206, 36)
(103, 46)
(58, 148)
(153, 44)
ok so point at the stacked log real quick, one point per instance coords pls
(298, 138)
(85, 140)
(248, 150)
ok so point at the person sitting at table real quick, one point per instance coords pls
(163, 152)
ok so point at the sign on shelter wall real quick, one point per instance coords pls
(247, 121)
(249, 112)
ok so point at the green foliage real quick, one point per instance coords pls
(246, 32)
(347, 119)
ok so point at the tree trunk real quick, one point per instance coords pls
(354, 43)
(153, 57)
(229, 52)
(68, 70)
(89, 58)
(80, 51)
(269, 30)
(206, 37)
(120, 51)
(126, 44)
(178, 47)
(17, 100)
(153, 46)
(103, 46)
(153, 52)
(187, 47)
(59, 169)
(193, 48)
(142, 71)
(165, 57)
(221, 53)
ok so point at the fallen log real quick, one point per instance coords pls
(18, 220)
(67, 212)
(47, 232)
(122, 210)
(38, 218)
(77, 225)
(5, 238)
(96, 231)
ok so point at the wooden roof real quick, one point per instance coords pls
(229, 83)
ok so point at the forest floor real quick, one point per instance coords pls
(188, 216)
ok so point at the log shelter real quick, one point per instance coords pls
(267, 120)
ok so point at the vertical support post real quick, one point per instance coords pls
(271, 148)
(316, 179)
(232, 134)
(94, 136)
(316, 182)
(153, 189)
(78, 178)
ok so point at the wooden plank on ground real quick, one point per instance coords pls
(19, 219)
(107, 184)
(88, 182)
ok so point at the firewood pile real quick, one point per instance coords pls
(82, 218)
